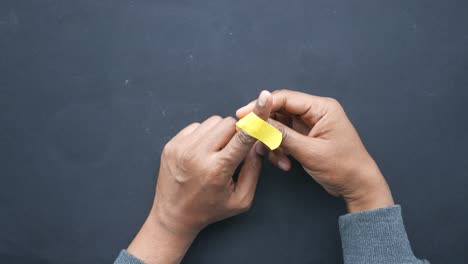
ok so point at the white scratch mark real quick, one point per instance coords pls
(11, 20)
(429, 93)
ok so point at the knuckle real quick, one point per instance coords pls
(216, 118)
(245, 204)
(332, 102)
(280, 91)
(168, 149)
(187, 158)
(216, 170)
(222, 162)
(215, 174)
(230, 120)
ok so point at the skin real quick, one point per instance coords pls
(318, 134)
(195, 186)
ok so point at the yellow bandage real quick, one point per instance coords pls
(261, 130)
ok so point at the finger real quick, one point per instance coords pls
(279, 159)
(221, 134)
(311, 108)
(206, 126)
(292, 121)
(241, 143)
(284, 119)
(244, 191)
(303, 148)
(299, 125)
(244, 110)
(183, 133)
(261, 149)
(187, 130)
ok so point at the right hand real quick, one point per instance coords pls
(318, 134)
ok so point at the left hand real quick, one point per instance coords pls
(195, 185)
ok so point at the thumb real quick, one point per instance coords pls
(304, 149)
(241, 143)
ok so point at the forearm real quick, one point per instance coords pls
(154, 244)
(376, 236)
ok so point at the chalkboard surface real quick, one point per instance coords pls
(91, 90)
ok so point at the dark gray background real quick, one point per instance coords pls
(91, 91)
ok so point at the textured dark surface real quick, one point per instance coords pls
(91, 90)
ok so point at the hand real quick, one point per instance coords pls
(195, 185)
(317, 133)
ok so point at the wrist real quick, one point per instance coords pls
(155, 243)
(371, 191)
(373, 200)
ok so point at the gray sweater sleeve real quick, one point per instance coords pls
(126, 258)
(376, 236)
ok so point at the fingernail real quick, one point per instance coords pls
(262, 98)
(283, 165)
(260, 149)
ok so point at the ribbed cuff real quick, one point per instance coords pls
(126, 258)
(375, 236)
